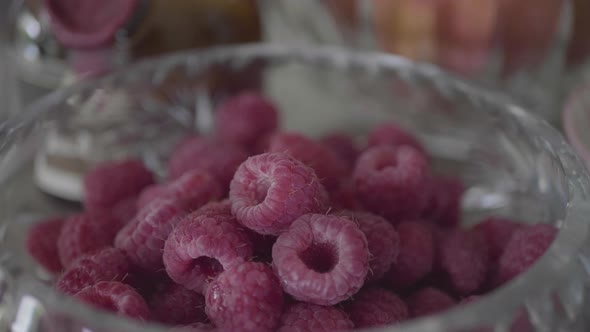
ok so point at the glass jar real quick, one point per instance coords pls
(519, 47)
(512, 163)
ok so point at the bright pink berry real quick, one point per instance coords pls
(382, 238)
(116, 297)
(344, 146)
(428, 301)
(416, 255)
(271, 190)
(464, 258)
(393, 182)
(246, 297)
(109, 264)
(321, 259)
(193, 189)
(220, 208)
(393, 135)
(328, 166)
(173, 304)
(245, 118)
(195, 327)
(125, 210)
(301, 317)
(444, 206)
(111, 182)
(524, 248)
(143, 238)
(201, 247)
(497, 232)
(220, 158)
(86, 233)
(345, 197)
(42, 243)
(374, 307)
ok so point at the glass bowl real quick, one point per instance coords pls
(512, 163)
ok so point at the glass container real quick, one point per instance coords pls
(512, 163)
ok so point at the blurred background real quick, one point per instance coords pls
(534, 50)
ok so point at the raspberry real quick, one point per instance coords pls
(344, 146)
(42, 243)
(246, 118)
(464, 259)
(246, 297)
(444, 206)
(374, 307)
(416, 255)
(345, 197)
(111, 182)
(497, 232)
(329, 167)
(201, 247)
(428, 301)
(193, 189)
(392, 182)
(382, 238)
(221, 208)
(220, 158)
(524, 248)
(116, 297)
(271, 190)
(321, 259)
(195, 327)
(85, 233)
(125, 210)
(173, 304)
(109, 264)
(143, 239)
(393, 135)
(310, 317)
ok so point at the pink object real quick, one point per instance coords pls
(201, 247)
(109, 264)
(393, 182)
(116, 297)
(328, 166)
(86, 233)
(42, 243)
(321, 259)
(428, 301)
(464, 259)
(310, 317)
(247, 297)
(382, 239)
(175, 305)
(375, 307)
(416, 255)
(143, 238)
(271, 190)
(84, 24)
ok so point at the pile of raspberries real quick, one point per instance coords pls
(261, 229)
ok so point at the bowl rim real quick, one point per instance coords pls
(491, 309)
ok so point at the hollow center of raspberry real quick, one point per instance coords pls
(320, 257)
(262, 187)
(207, 266)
